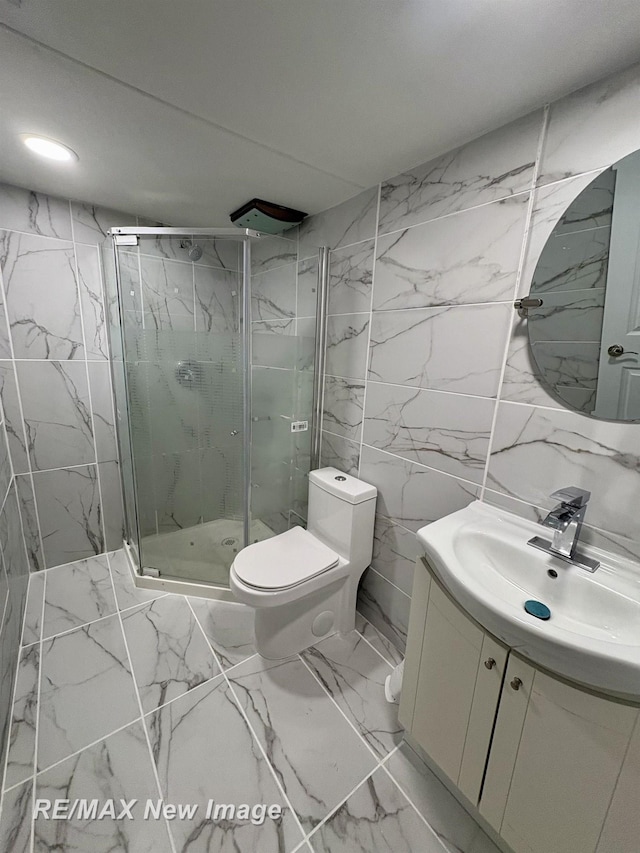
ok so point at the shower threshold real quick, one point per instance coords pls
(197, 557)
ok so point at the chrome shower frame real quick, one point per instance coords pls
(128, 236)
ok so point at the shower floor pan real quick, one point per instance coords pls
(201, 554)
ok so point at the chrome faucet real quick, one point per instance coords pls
(565, 520)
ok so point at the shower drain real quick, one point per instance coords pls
(229, 541)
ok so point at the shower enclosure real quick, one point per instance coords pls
(216, 339)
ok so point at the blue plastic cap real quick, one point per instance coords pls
(537, 609)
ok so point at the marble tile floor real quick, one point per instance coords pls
(136, 694)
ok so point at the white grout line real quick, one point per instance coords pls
(144, 727)
(77, 752)
(279, 785)
(334, 811)
(412, 387)
(332, 699)
(420, 465)
(447, 306)
(524, 248)
(377, 651)
(445, 848)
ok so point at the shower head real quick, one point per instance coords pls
(193, 250)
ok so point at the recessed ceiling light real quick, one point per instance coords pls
(48, 148)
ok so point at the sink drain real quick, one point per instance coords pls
(229, 541)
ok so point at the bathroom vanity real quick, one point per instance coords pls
(550, 764)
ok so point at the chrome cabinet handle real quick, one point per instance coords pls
(516, 683)
(490, 663)
(616, 350)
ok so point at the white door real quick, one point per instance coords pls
(618, 392)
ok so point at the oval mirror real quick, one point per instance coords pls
(585, 334)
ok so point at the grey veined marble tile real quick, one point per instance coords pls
(495, 166)
(381, 644)
(203, 750)
(341, 453)
(457, 348)
(22, 740)
(91, 222)
(87, 689)
(57, 414)
(386, 607)
(70, 513)
(579, 136)
(449, 432)
(354, 674)
(94, 314)
(395, 550)
(377, 816)
(228, 628)
(15, 822)
(30, 523)
(217, 301)
(347, 336)
(169, 653)
(350, 278)
(468, 258)
(285, 704)
(34, 213)
(43, 305)
(167, 294)
(77, 594)
(549, 212)
(410, 494)
(33, 612)
(119, 768)
(350, 222)
(273, 293)
(13, 419)
(536, 451)
(456, 829)
(343, 406)
(127, 593)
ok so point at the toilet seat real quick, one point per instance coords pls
(284, 561)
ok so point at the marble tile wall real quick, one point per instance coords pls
(430, 393)
(55, 380)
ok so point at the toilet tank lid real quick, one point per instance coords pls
(342, 485)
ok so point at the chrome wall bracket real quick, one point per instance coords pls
(524, 305)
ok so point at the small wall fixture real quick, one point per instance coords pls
(48, 148)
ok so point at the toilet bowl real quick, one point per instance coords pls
(303, 583)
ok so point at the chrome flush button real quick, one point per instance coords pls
(342, 479)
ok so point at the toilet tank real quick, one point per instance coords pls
(342, 513)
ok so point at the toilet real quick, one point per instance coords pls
(303, 583)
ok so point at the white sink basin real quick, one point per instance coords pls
(593, 636)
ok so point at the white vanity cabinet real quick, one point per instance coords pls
(551, 767)
(452, 680)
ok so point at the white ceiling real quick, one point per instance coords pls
(184, 110)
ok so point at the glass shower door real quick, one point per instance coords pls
(214, 386)
(180, 303)
(284, 281)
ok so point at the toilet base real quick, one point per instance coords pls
(290, 628)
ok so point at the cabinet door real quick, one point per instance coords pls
(568, 754)
(456, 695)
